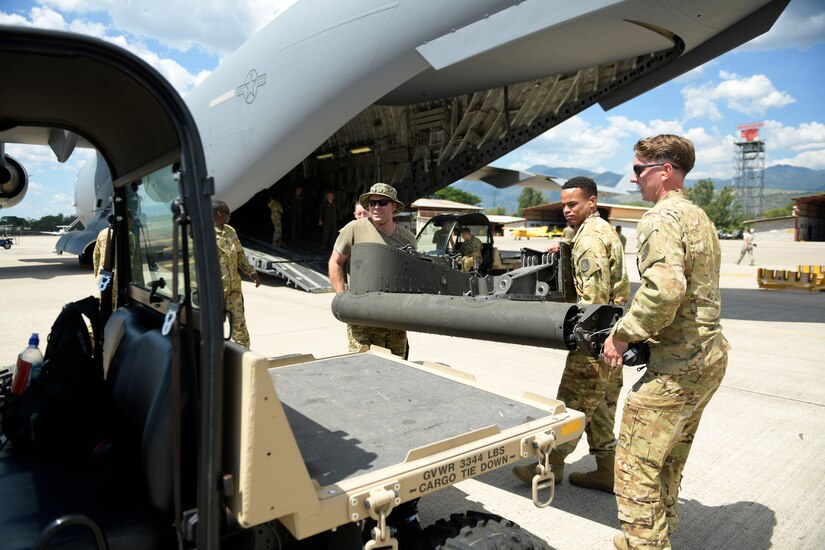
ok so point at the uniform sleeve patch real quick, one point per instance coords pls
(588, 264)
(650, 252)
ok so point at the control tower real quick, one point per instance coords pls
(749, 170)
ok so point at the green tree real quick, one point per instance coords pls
(14, 220)
(778, 212)
(457, 195)
(529, 197)
(701, 194)
(497, 211)
(718, 206)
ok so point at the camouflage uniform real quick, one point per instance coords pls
(587, 384)
(747, 246)
(233, 258)
(567, 234)
(99, 254)
(469, 251)
(363, 231)
(328, 218)
(99, 257)
(277, 211)
(676, 310)
(362, 335)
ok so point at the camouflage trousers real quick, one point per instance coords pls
(659, 422)
(277, 231)
(393, 340)
(748, 251)
(590, 386)
(233, 302)
(468, 263)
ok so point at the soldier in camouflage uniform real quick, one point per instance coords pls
(232, 259)
(99, 257)
(470, 250)
(328, 220)
(676, 310)
(567, 234)
(587, 384)
(381, 201)
(276, 213)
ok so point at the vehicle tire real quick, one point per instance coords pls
(6, 245)
(85, 258)
(478, 531)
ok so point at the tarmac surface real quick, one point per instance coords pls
(756, 474)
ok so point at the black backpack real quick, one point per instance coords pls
(61, 411)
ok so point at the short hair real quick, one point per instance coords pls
(587, 185)
(219, 205)
(670, 148)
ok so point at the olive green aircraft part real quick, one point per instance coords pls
(545, 324)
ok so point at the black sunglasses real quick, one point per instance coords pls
(379, 202)
(638, 169)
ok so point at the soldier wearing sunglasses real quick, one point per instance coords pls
(382, 202)
(676, 311)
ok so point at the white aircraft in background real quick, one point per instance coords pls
(415, 93)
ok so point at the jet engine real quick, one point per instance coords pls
(13, 181)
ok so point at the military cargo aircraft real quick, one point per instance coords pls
(339, 95)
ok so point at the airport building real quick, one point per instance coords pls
(426, 209)
(810, 221)
(806, 222)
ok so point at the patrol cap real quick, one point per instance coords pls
(385, 191)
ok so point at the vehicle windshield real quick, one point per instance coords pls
(434, 238)
(441, 237)
(149, 211)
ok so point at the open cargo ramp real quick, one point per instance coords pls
(302, 267)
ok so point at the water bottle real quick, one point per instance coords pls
(29, 362)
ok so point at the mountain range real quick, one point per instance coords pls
(782, 182)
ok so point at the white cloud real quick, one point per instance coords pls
(13, 19)
(36, 188)
(577, 143)
(213, 27)
(801, 25)
(805, 137)
(752, 96)
(814, 160)
(46, 18)
(574, 143)
(36, 157)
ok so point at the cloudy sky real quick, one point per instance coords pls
(778, 79)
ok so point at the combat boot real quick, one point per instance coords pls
(601, 479)
(620, 542)
(526, 473)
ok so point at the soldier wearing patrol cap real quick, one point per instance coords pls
(470, 250)
(233, 261)
(587, 384)
(676, 310)
(382, 202)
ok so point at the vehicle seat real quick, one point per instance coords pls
(126, 489)
(486, 257)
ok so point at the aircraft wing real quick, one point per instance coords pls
(62, 142)
(501, 178)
